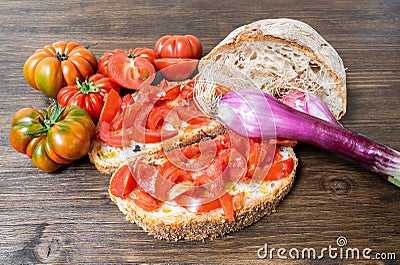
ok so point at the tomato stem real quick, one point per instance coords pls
(61, 57)
(86, 87)
(53, 115)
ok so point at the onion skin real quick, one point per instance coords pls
(253, 113)
(310, 104)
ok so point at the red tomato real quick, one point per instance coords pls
(157, 94)
(215, 173)
(88, 95)
(187, 46)
(259, 156)
(167, 178)
(175, 68)
(138, 52)
(122, 182)
(147, 53)
(130, 73)
(254, 158)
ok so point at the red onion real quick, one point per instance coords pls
(253, 113)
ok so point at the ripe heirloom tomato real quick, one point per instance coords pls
(88, 95)
(131, 53)
(177, 46)
(58, 65)
(52, 137)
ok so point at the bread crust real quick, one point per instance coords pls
(207, 225)
(297, 34)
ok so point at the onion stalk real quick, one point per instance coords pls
(253, 113)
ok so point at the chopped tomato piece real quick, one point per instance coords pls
(285, 142)
(254, 159)
(111, 106)
(191, 114)
(197, 205)
(144, 200)
(118, 120)
(111, 121)
(278, 156)
(171, 93)
(227, 204)
(280, 169)
(110, 137)
(238, 201)
(191, 151)
(141, 134)
(157, 116)
(257, 156)
(122, 183)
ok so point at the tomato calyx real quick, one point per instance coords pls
(53, 115)
(131, 55)
(61, 57)
(86, 87)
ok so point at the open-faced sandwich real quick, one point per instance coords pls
(181, 174)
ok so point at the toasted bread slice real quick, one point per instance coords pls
(174, 222)
(280, 55)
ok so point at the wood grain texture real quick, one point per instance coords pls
(68, 218)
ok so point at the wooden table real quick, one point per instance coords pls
(67, 217)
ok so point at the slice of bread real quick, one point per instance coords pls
(279, 55)
(173, 222)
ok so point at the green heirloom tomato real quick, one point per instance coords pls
(52, 137)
